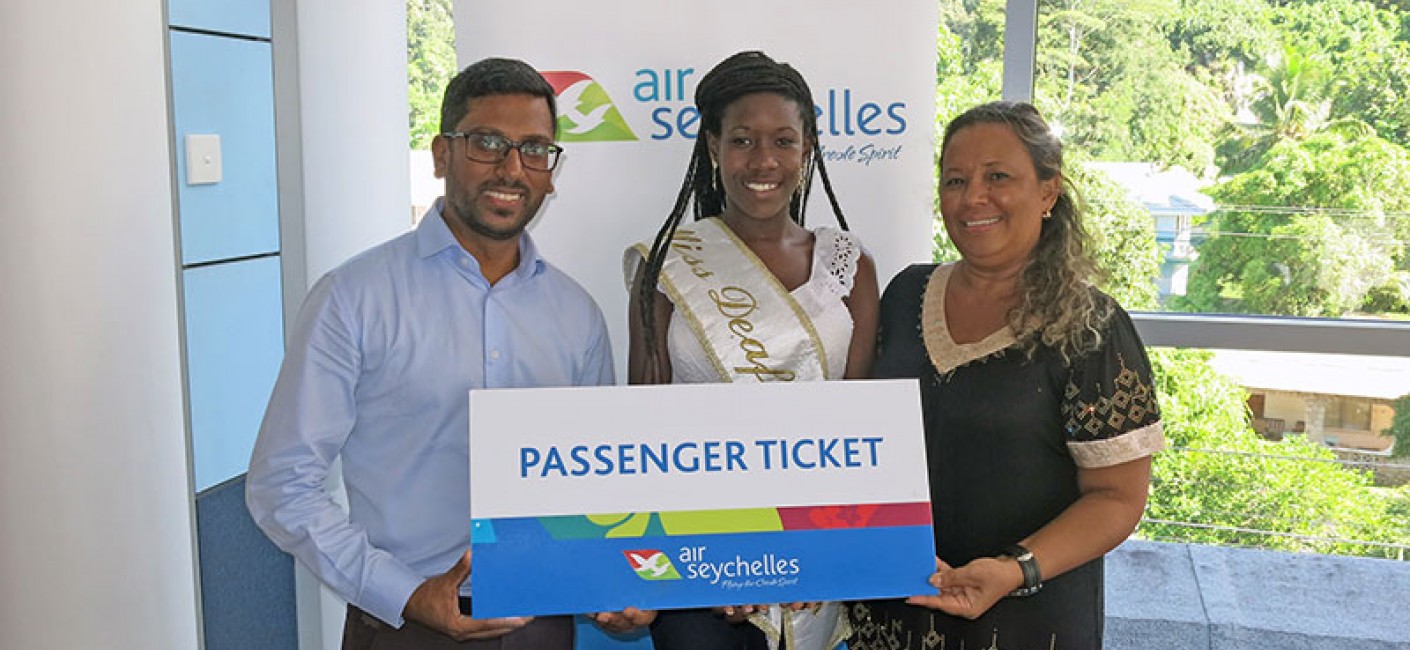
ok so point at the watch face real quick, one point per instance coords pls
(1018, 553)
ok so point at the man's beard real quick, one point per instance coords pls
(467, 210)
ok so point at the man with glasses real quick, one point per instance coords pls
(380, 363)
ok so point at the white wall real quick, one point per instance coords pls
(340, 71)
(353, 113)
(95, 510)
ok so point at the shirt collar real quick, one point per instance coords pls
(434, 236)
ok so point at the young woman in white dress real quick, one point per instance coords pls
(809, 296)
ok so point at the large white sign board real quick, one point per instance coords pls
(595, 499)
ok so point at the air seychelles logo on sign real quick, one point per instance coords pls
(585, 111)
(863, 129)
(735, 573)
(652, 564)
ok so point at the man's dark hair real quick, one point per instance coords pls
(493, 76)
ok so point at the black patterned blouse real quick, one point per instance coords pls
(1005, 436)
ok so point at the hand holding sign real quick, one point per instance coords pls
(970, 590)
(436, 604)
(626, 620)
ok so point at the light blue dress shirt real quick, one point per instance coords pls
(378, 371)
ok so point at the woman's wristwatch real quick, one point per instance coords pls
(1032, 578)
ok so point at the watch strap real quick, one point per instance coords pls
(1032, 577)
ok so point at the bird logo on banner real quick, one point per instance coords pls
(585, 111)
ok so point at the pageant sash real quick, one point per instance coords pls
(749, 325)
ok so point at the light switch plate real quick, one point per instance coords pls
(202, 158)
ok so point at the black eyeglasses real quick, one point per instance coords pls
(493, 148)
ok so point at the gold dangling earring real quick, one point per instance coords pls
(1047, 215)
(715, 179)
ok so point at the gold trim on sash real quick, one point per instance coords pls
(703, 269)
(694, 323)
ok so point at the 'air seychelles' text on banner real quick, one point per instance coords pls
(595, 499)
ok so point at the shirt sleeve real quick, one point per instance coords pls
(1109, 404)
(598, 369)
(310, 415)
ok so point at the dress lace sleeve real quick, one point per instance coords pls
(838, 251)
(1109, 406)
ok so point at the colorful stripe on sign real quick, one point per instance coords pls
(742, 520)
(698, 558)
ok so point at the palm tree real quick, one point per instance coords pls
(1294, 103)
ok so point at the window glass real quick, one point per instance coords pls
(1266, 449)
(968, 71)
(969, 56)
(1249, 157)
(1265, 141)
(430, 63)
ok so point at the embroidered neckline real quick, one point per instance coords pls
(945, 354)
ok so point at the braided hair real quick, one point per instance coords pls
(745, 73)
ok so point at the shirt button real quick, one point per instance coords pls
(464, 263)
(494, 354)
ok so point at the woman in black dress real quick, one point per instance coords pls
(1040, 415)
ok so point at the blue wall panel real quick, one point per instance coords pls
(246, 17)
(225, 86)
(234, 344)
(247, 584)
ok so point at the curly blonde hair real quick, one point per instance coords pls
(1058, 306)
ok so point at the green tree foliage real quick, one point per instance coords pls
(1367, 48)
(430, 63)
(1391, 298)
(1222, 34)
(1109, 76)
(1123, 237)
(979, 25)
(961, 82)
(1222, 484)
(1323, 255)
(1327, 233)
(1400, 427)
(1294, 102)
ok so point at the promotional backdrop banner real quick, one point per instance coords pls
(626, 70)
(708, 494)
